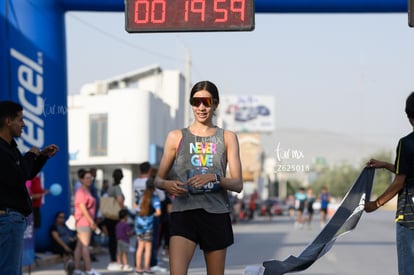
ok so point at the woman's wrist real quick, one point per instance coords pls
(159, 183)
(378, 203)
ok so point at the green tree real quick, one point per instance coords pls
(337, 179)
(293, 186)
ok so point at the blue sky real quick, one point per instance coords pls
(345, 73)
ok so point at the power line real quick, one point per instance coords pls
(120, 39)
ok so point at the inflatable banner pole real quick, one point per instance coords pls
(33, 73)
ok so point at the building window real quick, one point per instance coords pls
(98, 142)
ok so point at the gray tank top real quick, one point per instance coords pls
(201, 155)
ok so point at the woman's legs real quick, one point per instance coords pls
(181, 252)
(147, 255)
(215, 261)
(82, 250)
(110, 225)
(138, 255)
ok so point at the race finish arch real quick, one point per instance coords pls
(33, 71)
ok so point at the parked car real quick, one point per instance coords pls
(276, 207)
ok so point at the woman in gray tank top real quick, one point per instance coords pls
(199, 156)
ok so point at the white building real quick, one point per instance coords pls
(123, 121)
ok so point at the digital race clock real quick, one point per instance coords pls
(188, 15)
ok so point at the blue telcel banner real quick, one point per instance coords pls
(344, 220)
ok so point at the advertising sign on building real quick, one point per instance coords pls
(246, 113)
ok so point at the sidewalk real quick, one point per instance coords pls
(50, 264)
(47, 259)
(42, 260)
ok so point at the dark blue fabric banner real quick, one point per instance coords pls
(344, 220)
(28, 241)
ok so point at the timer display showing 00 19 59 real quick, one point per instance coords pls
(188, 15)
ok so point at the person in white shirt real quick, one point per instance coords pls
(145, 171)
(139, 183)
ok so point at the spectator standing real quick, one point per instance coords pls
(103, 239)
(123, 232)
(78, 183)
(105, 187)
(85, 209)
(145, 172)
(110, 224)
(402, 186)
(37, 192)
(15, 203)
(94, 189)
(148, 207)
(252, 205)
(94, 192)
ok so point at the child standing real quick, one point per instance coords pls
(123, 231)
(148, 206)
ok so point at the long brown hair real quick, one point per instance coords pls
(146, 205)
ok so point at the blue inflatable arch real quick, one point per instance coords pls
(33, 71)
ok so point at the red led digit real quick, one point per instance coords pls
(141, 7)
(223, 11)
(198, 6)
(186, 10)
(158, 8)
(238, 6)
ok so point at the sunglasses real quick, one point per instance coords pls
(207, 101)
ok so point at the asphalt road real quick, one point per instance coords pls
(369, 249)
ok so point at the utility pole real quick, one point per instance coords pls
(187, 107)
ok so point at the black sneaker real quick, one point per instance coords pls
(69, 267)
(93, 258)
